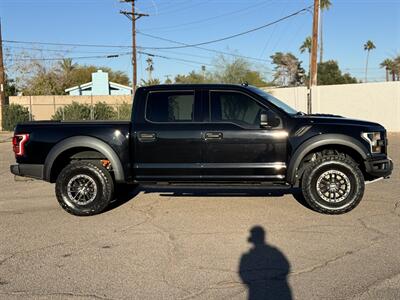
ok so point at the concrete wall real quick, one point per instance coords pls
(378, 102)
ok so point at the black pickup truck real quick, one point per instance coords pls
(209, 134)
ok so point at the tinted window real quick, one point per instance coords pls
(170, 106)
(236, 108)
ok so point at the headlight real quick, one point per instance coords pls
(374, 139)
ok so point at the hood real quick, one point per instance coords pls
(337, 120)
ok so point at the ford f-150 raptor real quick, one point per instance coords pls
(205, 134)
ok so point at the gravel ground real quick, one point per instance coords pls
(165, 245)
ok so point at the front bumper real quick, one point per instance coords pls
(379, 168)
(28, 170)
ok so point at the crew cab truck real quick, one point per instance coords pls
(205, 134)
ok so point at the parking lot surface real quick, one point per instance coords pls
(198, 244)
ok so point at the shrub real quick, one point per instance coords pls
(124, 111)
(103, 111)
(72, 112)
(14, 114)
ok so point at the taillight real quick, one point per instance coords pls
(19, 141)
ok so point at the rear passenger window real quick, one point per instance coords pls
(170, 106)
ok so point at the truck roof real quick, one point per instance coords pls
(197, 85)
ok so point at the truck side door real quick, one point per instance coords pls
(167, 136)
(236, 147)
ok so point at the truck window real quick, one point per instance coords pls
(235, 108)
(169, 106)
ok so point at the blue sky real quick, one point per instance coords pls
(347, 26)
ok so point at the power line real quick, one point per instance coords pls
(175, 58)
(202, 48)
(125, 46)
(76, 57)
(183, 45)
(54, 50)
(66, 44)
(233, 35)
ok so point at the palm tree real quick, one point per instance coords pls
(65, 69)
(368, 46)
(396, 67)
(306, 46)
(323, 5)
(66, 65)
(388, 64)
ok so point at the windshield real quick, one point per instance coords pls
(274, 100)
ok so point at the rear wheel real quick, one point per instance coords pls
(332, 184)
(84, 188)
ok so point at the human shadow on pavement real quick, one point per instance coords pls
(264, 269)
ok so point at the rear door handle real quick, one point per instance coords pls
(213, 135)
(147, 136)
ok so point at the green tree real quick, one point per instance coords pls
(73, 112)
(396, 67)
(237, 70)
(288, 69)
(44, 82)
(329, 73)
(388, 64)
(10, 87)
(324, 5)
(65, 68)
(368, 46)
(14, 114)
(192, 77)
(153, 81)
(37, 78)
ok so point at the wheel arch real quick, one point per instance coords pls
(83, 142)
(332, 141)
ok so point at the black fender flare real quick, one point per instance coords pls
(318, 141)
(88, 142)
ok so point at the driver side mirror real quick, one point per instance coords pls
(268, 119)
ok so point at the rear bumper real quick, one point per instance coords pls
(28, 170)
(379, 168)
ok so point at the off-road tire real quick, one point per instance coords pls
(323, 164)
(100, 177)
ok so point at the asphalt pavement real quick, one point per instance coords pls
(197, 244)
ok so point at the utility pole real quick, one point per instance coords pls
(133, 16)
(314, 50)
(2, 76)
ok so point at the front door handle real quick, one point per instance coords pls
(213, 135)
(147, 136)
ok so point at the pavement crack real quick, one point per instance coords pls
(396, 206)
(217, 286)
(67, 294)
(329, 261)
(372, 229)
(12, 255)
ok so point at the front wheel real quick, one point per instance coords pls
(332, 184)
(84, 188)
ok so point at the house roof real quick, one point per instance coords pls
(88, 84)
(81, 86)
